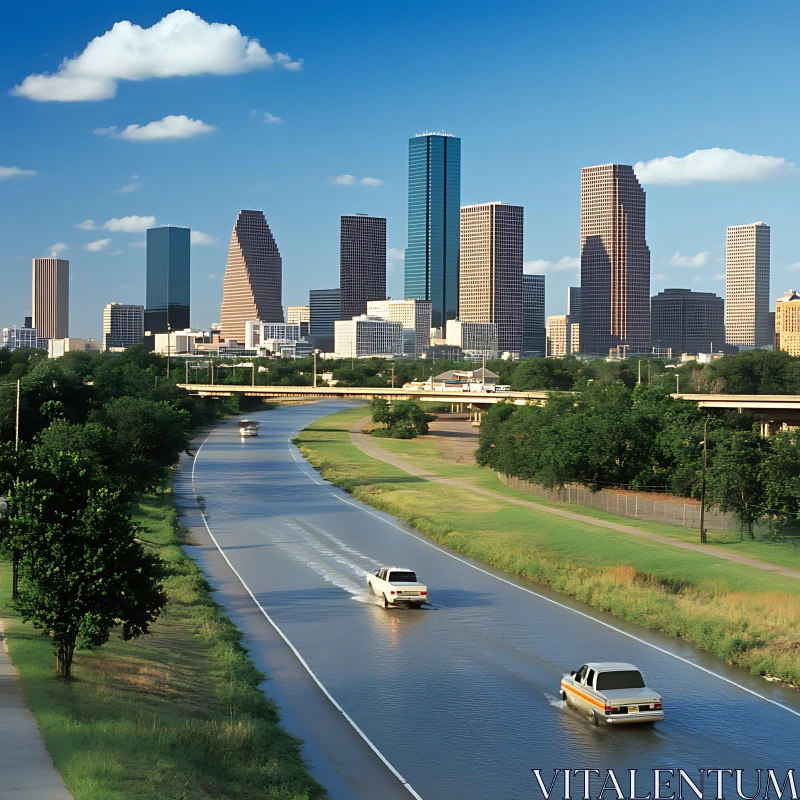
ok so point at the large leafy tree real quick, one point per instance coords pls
(403, 419)
(82, 571)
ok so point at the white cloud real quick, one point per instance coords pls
(343, 180)
(371, 182)
(542, 266)
(115, 252)
(716, 165)
(700, 260)
(180, 44)
(129, 187)
(212, 277)
(57, 249)
(15, 172)
(96, 247)
(793, 267)
(86, 225)
(660, 276)
(129, 224)
(171, 127)
(198, 237)
(105, 131)
(271, 118)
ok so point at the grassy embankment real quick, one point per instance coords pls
(175, 714)
(743, 615)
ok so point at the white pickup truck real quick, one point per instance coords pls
(397, 586)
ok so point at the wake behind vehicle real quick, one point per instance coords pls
(397, 586)
(611, 692)
(248, 427)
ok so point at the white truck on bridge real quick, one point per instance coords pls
(397, 586)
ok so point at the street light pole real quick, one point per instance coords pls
(703, 489)
(315, 368)
(16, 441)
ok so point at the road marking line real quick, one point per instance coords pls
(583, 614)
(294, 650)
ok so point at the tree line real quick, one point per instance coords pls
(97, 431)
(610, 435)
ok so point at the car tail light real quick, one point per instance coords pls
(657, 706)
(612, 709)
(424, 594)
(392, 592)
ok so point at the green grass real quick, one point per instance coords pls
(742, 614)
(425, 454)
(175, 714)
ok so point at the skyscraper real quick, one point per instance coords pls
(534, 334)
(687, 322)
(747, 315)
(362, 263)
(252, 287)
(490, 276)
(168, 279)
(615, 262)
(51, 297)
(574, 303)
(123, 326)
(324, 309)
(434, 200)
(558, 336)
(787, 323)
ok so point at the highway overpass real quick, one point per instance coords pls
(774, 409)
(475, 400)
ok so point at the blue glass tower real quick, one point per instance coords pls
(434, 203)
(167, 296)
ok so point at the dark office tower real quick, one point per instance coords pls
(687, 321)
(252, 287)
(615, 262)
(574, 303)
(324, 309)
(362, 263)
(533, 329)
(434, 201)
(167, 296)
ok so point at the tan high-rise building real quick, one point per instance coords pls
(558, 336)
(747, 317)
(787, 323)
(490, 270)
(51, 297)
(615, 262)
(297, 314)
(252, 287)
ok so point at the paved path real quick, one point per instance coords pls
(26, 769)
(367, 445)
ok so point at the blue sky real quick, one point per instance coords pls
(534, 90)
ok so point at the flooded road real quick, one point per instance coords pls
(462, 698)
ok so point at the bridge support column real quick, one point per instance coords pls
(766, 429)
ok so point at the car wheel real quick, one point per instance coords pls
(593, 718)
(563, 695)
(385, 602)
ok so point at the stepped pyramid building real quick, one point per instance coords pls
(252, 288)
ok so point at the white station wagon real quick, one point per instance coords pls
(611, 692)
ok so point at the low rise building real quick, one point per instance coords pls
(364, 336)
(472, 337)
(58, 347)
(257, 332)
(18, 337)
(413, 315)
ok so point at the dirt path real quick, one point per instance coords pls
(26, 769)
(364, 443)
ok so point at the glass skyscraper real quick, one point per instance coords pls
(167, 296)
(434, 202)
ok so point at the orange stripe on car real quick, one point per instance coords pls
(585, 696)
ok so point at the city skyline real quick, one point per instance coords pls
(305, 177)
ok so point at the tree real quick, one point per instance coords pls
(537, 374)
(404, 419)
(82, 572)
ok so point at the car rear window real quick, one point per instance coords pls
(624, 679)
(403, 577)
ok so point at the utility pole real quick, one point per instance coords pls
(703, 489)
(640, 371)
(315, 368)
(677, 384)
(169, 336)
(187, 370)
(16, 441)
(253, 365)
